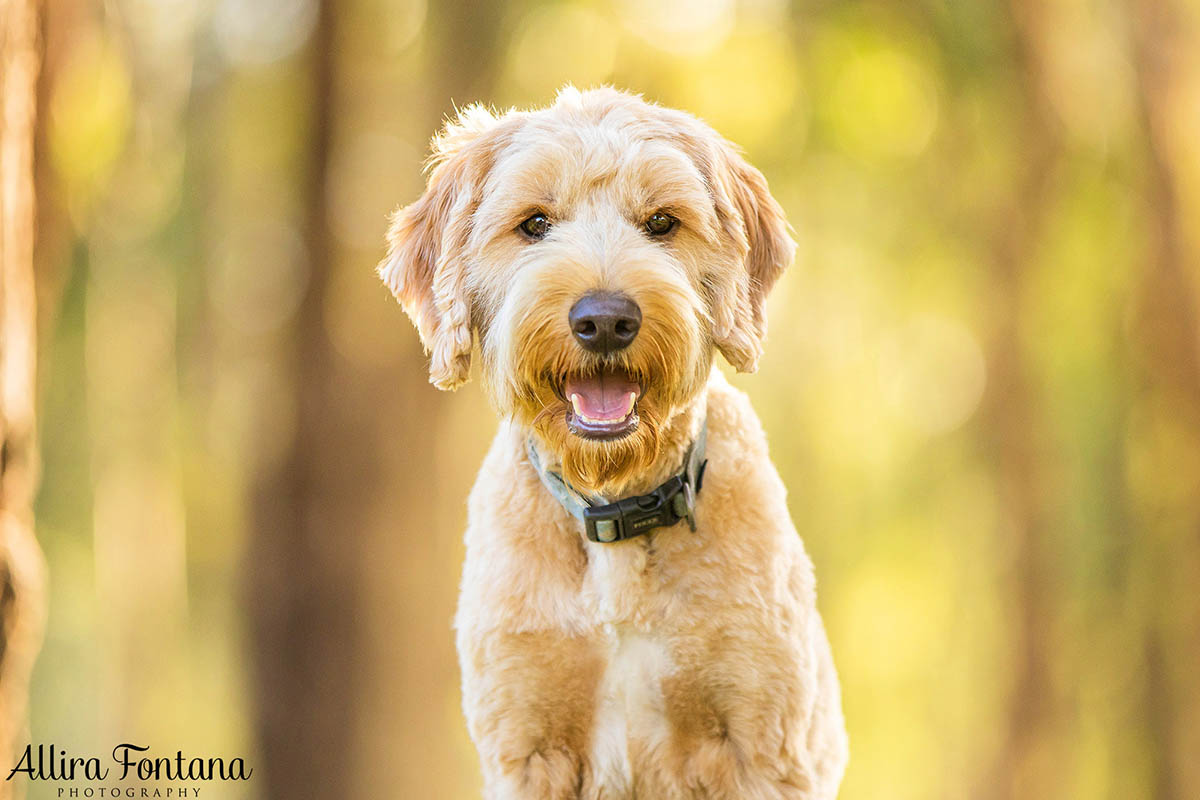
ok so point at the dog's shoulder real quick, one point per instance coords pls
(508, 494)
(743, 497)
(731, 418)
(737, 444)
(523, 550)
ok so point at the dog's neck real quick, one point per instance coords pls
(677, 435)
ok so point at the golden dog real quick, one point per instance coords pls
(668, 645)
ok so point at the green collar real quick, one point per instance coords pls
(672, 501)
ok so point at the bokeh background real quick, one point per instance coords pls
(982, 383)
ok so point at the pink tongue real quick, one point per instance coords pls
(603, 396)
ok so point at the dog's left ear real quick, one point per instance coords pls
(763, 247)
(426, 264)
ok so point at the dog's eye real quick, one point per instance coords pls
(536, 227)
(660, 224)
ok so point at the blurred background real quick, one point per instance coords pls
(982, 383)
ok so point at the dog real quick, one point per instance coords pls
(637, 616)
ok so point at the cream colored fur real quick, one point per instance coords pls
(675, 665)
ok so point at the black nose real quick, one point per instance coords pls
(604, 322)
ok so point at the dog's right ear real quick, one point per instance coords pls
(426, 263)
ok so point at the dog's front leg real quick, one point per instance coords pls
(722, 768)
(529, 700)
(550, 774)
(771, 733)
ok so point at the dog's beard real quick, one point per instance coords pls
(593, 463)
(600, 465)
(596, 464)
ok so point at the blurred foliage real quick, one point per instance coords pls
(981, 384)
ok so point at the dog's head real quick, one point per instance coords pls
(598, 250)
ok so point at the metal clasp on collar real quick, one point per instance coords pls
(665, 506)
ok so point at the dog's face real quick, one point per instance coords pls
(598, 250)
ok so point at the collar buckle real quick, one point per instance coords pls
(665, 506)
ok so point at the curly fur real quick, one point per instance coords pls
(674, 665)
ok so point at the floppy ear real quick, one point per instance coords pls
(426, 264)
(763, 247)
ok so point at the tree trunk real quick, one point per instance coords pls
(311, 559)
(21, 567)
(302, 558)
(1166, 334)
(1021, 768)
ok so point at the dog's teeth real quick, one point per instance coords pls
(576, 404)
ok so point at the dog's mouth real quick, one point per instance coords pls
(603, 405)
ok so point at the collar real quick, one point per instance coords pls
(672, 501)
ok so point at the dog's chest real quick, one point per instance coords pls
(620, 583)
(629, 707)
(630, 713)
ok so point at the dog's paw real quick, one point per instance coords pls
(545, 774)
